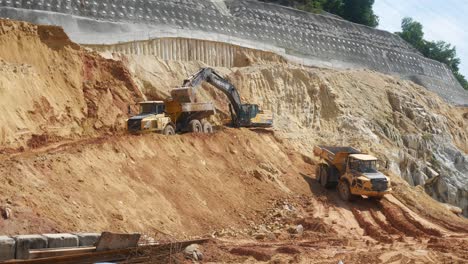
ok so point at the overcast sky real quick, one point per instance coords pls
(445, 20)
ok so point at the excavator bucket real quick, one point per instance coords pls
(184, 95)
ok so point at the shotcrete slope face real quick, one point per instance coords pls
(67, 165)
(302, 37)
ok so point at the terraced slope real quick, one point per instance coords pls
(68, 166)
(309, 39)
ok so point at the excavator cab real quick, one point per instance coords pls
(251, 116)
(249, 111)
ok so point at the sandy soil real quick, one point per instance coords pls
(68, 166)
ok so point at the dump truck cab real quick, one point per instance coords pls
(364, 178)
(354, 173)
(151, 118)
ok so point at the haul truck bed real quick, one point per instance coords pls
(182, 114)
(335, 156)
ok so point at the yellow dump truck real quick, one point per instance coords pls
(354, 173)
(172, 116)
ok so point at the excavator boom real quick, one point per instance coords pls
(241, 114)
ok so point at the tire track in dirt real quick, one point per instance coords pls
(427, 230)
(316, 225)
(397, 218)
(453, 227)
(369, 228)
(377, 216)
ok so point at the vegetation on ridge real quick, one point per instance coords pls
(412, 32)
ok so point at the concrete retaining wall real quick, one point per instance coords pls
(217, 54)
(308, 38)
(7, 248)
(18, 247)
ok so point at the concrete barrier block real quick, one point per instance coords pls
(7, 248)
(61, 240)
(88, 239)
(26, 242)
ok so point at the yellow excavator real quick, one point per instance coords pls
(354, 173)
(242, 115)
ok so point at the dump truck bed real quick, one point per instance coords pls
(331, 153)
(184, 112)
(335, 156)
(198, 107)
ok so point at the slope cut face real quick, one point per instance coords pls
(52, 89)
(306, 38)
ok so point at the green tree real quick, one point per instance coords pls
(316, 6)
(360, 11)
(412, 32)
(462, 80)
(443, 52)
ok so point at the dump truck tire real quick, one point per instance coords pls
(195, 126)
(169, 130)
(345, 191)
(317, 173)
(324, 176)
(207, 127)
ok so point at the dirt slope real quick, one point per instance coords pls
(67, 165)
(188, 183)
(417, 134)
(51, 88)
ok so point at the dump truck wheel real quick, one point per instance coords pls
(324, 175)
(207, 127)
(345, 191)
(195, 126)
(317, 172)
(169, 130)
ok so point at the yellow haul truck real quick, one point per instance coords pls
(172, 116)
(353, 172)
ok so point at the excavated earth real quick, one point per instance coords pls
(67, 164)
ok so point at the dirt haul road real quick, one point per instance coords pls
(67, 165)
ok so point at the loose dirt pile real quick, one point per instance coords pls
(67, 165)
(52, 89)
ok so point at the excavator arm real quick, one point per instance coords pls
(242, 115)
(213, 78)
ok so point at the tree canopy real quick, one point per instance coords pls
(358, 11)
(412, 32)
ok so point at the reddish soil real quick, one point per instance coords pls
(68, 166)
